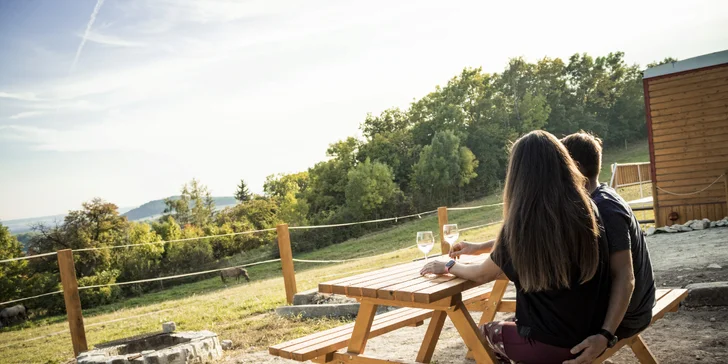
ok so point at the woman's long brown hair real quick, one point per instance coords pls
(550, 229)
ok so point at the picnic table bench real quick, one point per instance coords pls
(422, 298)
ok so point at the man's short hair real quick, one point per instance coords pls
(586, 150)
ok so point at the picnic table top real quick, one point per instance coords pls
(403, 283)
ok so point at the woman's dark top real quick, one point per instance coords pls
(563, 317)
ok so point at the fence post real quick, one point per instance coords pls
(442, 221)
(72, 300)
(725, 179)
(284, 247)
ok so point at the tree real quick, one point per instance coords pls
(286, 189)
(443, 167)
(242, 194)
(195, 205)
(13, 275)
(371, 190)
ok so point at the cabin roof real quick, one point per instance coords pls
(706, 60)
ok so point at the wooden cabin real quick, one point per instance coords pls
(686, 103)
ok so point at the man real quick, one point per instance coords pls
(632, 294)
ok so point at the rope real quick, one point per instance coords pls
(473, 207)
(175, 276)
(480, 226)
(173, 241)
(27, 257)
(419, 214)
(691, 193)
(325, 261)
(30, 298)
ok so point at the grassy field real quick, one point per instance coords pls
(242, 312)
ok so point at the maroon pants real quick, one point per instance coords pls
(503, 338)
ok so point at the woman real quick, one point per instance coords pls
(551, 248)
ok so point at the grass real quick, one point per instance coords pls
(243, 312)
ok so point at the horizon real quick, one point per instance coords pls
(129, 100)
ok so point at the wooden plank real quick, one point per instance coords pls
(72, 301)
(439, 304)
(719, 137)
(442, 221)
(472, 336)
(688, 175)
(341, 286)
(708, 88)
(678, 90)
(442, 290)
(693, 161)
(506, 306)
(289, 274)
(671, 127)
(686, 79)
(432, 335)
(716, 167)
(363, 324)
(640, 350)
(697, 132)
(667, 302)
(694, 152)
(323, 347)
(407, 293)
(692, 182)
(499, 289)
(374, 285)
(658, 121)
(666, 106)
(689, 108)
(713, 194)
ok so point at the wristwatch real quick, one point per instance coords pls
(449, 265)
(611, 338)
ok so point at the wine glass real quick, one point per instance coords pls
(425, 241)
(451, 234)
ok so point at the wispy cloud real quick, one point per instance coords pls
(109, 40)
(91, 21)
(20, 96)
(27, 114)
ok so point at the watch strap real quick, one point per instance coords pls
(611, 338)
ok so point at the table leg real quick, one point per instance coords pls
(471, 334)
(362, 325)
(433, 334)
(491, 305)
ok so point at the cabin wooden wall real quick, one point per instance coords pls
(688, 124)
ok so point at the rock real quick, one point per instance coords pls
(305, 298)
(712, 319)
(684, 228)
(713, 224)
(700, 224)
(226, 344)
(651, 231)
(317, 311)
(707, 294)
(168, 327)
(714, 266)
(720, 223)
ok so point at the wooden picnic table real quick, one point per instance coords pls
(403, 286)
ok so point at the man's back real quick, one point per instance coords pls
(624, 232)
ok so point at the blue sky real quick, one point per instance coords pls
(166, 90)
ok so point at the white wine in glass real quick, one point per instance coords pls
(425, 241)
(451, 234)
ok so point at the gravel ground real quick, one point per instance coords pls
(691, 335)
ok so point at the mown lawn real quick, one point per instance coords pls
(242, 312)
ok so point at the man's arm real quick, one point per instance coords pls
(622, 272)
(467, 248)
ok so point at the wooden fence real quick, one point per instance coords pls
(73, 301)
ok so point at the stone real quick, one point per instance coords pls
(305, 298)
(182, 348)
(712, 319)
(714, 266)
(700, 224)
(707, 294)
(318, 311)
(226, 344)
(684, 228)
(651, 231)
(713, 224)
(169, 327)
(721, 223)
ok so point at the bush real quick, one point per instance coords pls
(99, 296)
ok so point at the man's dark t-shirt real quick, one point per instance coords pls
(563, 317)
(624, 233)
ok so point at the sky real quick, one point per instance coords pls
(129, 99)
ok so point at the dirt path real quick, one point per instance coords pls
(688, 336)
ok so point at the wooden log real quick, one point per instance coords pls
(442, 221)
(289, 274)
(72, 300)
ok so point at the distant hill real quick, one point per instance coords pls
(153, 209)
(23, 225)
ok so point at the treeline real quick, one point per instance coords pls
(447, 147)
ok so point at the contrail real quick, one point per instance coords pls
(85, 34)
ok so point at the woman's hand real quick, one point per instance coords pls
(463, 248)
(433, 267)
